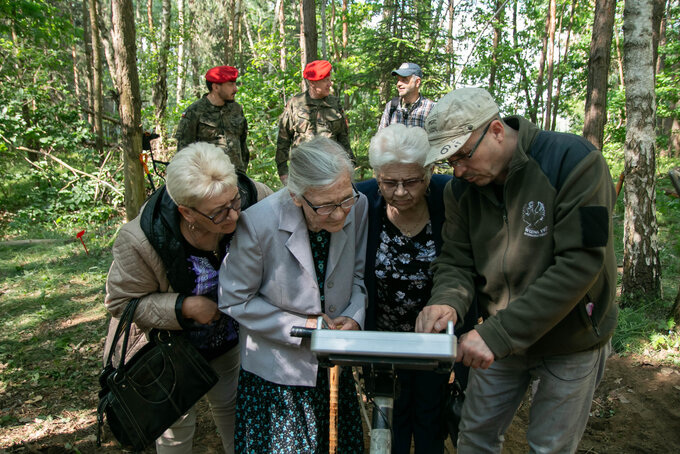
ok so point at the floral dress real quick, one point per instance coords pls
(403, 282)
(403, 276)
(273, 418)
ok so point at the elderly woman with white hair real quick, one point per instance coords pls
(405, 218)
(297, 255)
(168, 257)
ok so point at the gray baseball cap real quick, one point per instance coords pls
(408, 69)
(454, 118)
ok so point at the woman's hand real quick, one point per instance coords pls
(311, 321)
(344, 323)
(201, 309)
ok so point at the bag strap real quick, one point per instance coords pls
(123, 325)
(394, 103)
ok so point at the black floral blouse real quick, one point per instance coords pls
(403, 276)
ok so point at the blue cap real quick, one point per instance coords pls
(408, 69)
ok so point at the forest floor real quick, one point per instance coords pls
(636, 410)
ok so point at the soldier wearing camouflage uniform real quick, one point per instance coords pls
(311, 113)
(217, 119)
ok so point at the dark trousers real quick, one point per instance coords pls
(417, 412)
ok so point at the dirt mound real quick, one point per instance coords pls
(636, 410)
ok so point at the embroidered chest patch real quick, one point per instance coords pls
(533, 215)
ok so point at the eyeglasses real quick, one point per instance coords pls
(223, 214)
(325, 210)
(409, 185)
(453, 160)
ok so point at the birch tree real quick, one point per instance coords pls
(641, 266)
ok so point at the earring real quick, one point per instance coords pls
(192, 226)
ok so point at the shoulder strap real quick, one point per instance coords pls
(123, 325)
(394, 103)
(246, 189)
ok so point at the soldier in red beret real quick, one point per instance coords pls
(311, 113)
(216, 118)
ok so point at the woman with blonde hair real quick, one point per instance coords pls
(168, 257)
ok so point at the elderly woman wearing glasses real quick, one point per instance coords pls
(406, 214)
(169, 256)
(297, 255)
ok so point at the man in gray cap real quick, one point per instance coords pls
(528, 232)
(410, 107)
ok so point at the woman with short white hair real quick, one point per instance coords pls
(168, 257)
(405, 218)
(297, 255)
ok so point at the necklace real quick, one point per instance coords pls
(201, 239)
(408, 227)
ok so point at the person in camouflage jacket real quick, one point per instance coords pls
(217, 119)
(314, 112)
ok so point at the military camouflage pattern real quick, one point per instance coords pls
(303, 118)
(223, 126)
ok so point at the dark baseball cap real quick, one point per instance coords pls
(408, 69)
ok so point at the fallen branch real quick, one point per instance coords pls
(74, 170)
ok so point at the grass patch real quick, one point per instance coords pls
(53, 324)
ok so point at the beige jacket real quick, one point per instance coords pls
(137, 271)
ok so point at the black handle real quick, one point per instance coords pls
(301, 331)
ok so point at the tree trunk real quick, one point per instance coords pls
(87, 44)
(551, 63)
(149, 18)
(181, 64)
(598, 72)
(104, 20)
(303, 47)
(345, 29)
(497, 31)
(324, 34)
(235, 33)
(524, 80)
(658, 10)
(558, 87)
(619, 59)
(641, 267)
(229, 33)
(282, 35)
(76, 76)
(539, 80)
(311, 35)
(334, 42)
(675, 312)
(345, 42)
(160, 87)
(449, 47)
(123, 34)
(97, 96)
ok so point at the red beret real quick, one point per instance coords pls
(317, 70)
(221, 74)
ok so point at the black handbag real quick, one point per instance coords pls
(147, 394)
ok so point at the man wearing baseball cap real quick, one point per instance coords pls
(217, 119)
(314, 112)
(528, 230)
(410, 108)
